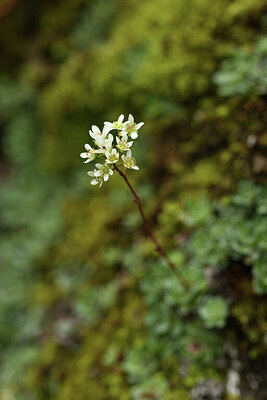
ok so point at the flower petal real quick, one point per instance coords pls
(99, 140)
(95, 129)
(134, 135)
(110, 138)
(138, 126)
(106, 129)
(131, 119)
(92, 134)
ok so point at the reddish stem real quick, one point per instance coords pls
(149, 230)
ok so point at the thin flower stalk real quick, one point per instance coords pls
(116, 150)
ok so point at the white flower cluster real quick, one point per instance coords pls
(104, 141)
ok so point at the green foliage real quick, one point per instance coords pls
(94, 24)
(244, 72)
(139, 365)
(214, 312)
(223, 235)
(238, 233)
(156, 388)
(92, 304)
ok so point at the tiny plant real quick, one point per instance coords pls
(115, 150)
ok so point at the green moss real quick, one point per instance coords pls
(93, 374)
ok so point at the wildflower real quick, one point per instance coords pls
(98, 136)
(89, 155)
(112, 157)
(131, 128)
(104, 142)
(101, 173)
(107, 144)
(101, 139)
(95, 181)
(122, 143)
(119, 124)
(129, 161)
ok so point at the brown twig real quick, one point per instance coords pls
(149, 230)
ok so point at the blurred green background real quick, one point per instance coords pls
(88, 311)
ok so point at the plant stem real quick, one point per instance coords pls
(149, 230)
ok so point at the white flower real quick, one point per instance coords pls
(95, 132)
(107, 145)
(96, 181)
(98, 136)
(131, 128)
(103, 147)
(122, 143)
(101, 139)
(119, 124)
(89, 155)
(112, 157)
(129, 161)
(100, 174)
